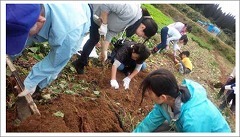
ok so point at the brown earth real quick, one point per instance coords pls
(109, 110)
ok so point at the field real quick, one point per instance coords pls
(87, 103)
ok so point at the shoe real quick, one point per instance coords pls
(154, 50)
(37, 94)
(78, 68)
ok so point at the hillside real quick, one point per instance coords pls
(88, 102)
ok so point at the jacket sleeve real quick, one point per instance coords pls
(152, 121)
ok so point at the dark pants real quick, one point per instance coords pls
(164, 127)
(163, 44)
(183, 69)
(229, 82)
(226, 100)
(89, 45)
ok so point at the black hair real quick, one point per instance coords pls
(142, 51)
(151, 25)
(162, 81)
(189, 28)
(187, 53)
(184, 38)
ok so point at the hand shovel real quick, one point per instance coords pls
(25, 105)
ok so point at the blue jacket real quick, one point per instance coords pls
(64, 30)
(198, 114)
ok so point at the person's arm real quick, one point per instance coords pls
(176, 60)
(115, 65)
(104, 17)
(232, 75)
(128, 79)
(113, 81)
(136, 70)
(174, 35)
(104, 21)
(152, 121)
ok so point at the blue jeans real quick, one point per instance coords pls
(163, 44)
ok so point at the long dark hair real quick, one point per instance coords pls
(151, 25)
(162, 81)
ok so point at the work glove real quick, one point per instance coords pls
(114, 84)
(27, 91)
(103, 30)
(126, 82)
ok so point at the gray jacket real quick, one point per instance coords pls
(120, 16)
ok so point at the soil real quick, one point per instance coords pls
(109, 110)
(86, 112)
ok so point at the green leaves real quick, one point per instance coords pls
(59, 114)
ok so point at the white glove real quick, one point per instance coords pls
(27, 91)
(228, 87)
(103, 30)
(104, 56)
(126, 82)
(114, 84)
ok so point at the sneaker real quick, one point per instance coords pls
(79, 69)
(154, 50)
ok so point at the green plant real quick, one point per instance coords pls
(202, 43)
(160, 18)
(213, 41)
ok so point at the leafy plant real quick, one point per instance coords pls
(202, 43)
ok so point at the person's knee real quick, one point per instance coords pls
(121, 67)
(144, 66)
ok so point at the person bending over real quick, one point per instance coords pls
(185, 108)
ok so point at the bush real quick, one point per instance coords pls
(213, 41)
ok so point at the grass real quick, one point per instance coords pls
(217, 43)
(160, 18)
(201, 43)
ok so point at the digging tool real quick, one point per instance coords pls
(25, 105)
(103, 48)
(104, 63)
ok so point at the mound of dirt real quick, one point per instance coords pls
(111, 111)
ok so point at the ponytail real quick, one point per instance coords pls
(185, 94)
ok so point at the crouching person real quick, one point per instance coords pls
(184, 65)
(184, 108)
(129, 58)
